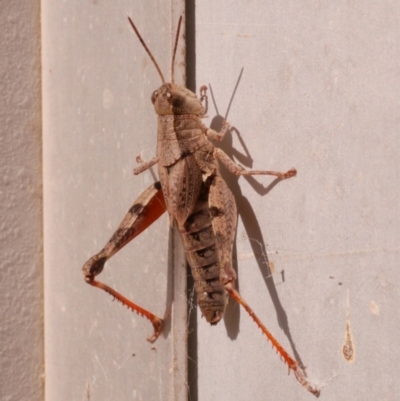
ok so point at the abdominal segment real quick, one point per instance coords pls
(201, 252)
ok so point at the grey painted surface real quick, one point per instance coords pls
(21, 289)
(97, 118)
(319, 92)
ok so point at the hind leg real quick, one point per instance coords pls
(146, 209)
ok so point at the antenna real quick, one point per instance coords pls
(175, 46)
(147, 49)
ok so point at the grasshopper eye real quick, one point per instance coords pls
(169, 95)
(177, 100)
(153, 96)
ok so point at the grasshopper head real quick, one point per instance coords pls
(171, 99)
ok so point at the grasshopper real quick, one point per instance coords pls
(199, 203)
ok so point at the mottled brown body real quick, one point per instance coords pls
(198, 202)
(196, 198)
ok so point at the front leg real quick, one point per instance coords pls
(217, 136)
(147, 208)
(144, 165)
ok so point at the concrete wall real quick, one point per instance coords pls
(21, 263)
(21, 288)
(311, 85)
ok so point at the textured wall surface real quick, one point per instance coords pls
(21, 289)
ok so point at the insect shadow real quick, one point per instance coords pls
(250, 222)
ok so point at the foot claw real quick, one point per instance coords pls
(157, 324)
(291, 173)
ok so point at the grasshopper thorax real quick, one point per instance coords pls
(171, 99)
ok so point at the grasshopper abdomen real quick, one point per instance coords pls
(201, 250)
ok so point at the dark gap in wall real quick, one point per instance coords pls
(190, 31)
(192, 338)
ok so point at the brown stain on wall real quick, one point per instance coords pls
(348, 348)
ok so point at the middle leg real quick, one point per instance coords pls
(238, 170)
